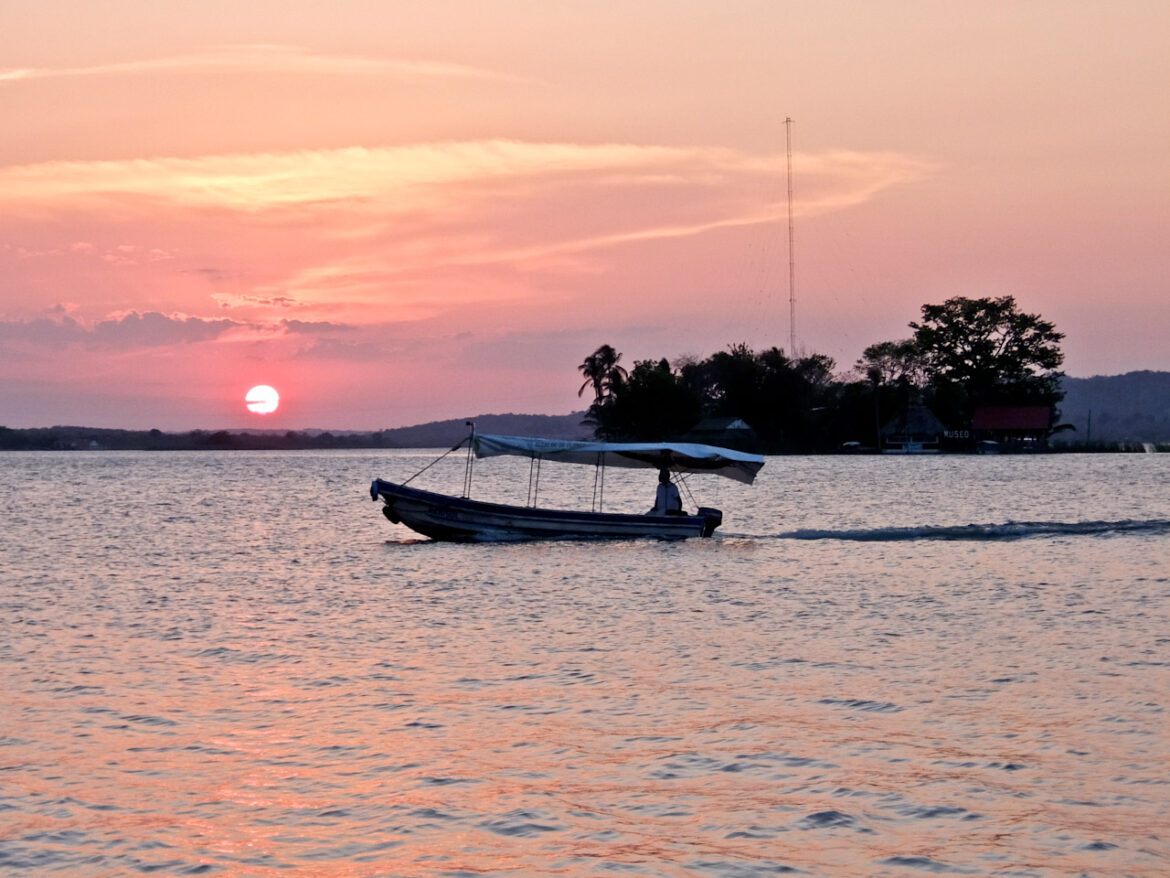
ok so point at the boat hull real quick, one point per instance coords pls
(457, 519)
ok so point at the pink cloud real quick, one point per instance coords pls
(257, 58)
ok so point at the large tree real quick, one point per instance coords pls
(652, 404)
(891, 362)
(987, 351)
(781, 398)
(602, 372)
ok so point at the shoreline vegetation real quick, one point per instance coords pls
(973, 376)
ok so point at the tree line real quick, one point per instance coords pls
(69, 438)
(961, 354)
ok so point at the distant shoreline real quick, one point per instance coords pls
(436, 434)
(440, 435)
(1129, 412)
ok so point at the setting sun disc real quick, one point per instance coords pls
(262, 399)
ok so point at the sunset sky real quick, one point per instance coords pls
(396, 212)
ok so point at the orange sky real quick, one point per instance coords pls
(397, 212)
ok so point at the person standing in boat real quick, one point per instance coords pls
(667, 501)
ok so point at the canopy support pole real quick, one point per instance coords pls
(533, 479)
(599, 485)
(470, 461)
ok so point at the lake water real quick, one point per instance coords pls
(232, 663)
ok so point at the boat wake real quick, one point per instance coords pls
(1012, 530)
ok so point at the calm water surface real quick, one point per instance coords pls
(232, 663)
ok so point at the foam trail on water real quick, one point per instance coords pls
(1011, 530)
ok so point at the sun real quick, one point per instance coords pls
(262, 399)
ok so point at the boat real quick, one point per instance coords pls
(462, 519)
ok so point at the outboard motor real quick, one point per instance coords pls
(712, 518)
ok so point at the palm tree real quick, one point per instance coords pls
(602, 372)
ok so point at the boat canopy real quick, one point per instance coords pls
(677, 456)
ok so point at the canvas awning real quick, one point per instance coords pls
(678, 456)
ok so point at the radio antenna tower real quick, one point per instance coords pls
(791, 249)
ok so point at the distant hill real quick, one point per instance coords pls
(1130, 407)
(437, 434)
